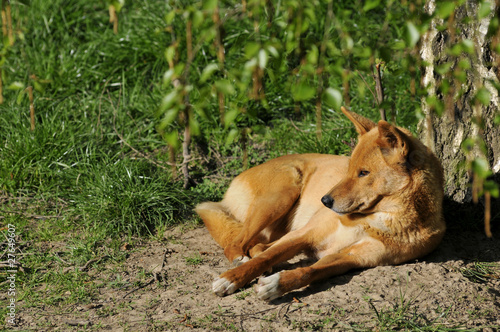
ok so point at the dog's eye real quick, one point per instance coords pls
(363, 173)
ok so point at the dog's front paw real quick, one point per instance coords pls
(222, 287)
(267, 288)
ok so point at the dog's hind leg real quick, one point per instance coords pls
(264, 203)
(236, 237)
(266, 212)
(256, 208)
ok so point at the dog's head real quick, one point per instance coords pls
(380, 168)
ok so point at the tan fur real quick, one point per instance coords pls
(381, 206)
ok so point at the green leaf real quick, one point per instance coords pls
(445, 86)
(484, 9)
(273, 51)
(305, 25)
(493, 27)
(209, 4)
(310, 13)
(481, 168)
(455, 50)
(362, 52)
(168, 100)
(170, 53)
(230, 116)
(16, 86)
(251, 49)
(464, 64)
(468, 46)
(179, 68)
(484, 96)
(497, 119)
(308, 68)
(435, 104)
(443, 68)
(291, 43)
(461, 76)
(492, 187)
(263, 58)
(398, 45)
(445, 8)
(208, 72)
(312, 55)
(233, 133)
(167, 77)
(225, 87)
(172, 138)
(411, 35)
(20, 96)
(346, 43)
(197, 18)
(303, 91)
(468, 144)
(168, 119)
(118, 4)
(169, 17)
(250, 65)
(333, 98)
(370, 4)
(194, 126)
(38, 86)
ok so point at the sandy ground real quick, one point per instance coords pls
(174, 293)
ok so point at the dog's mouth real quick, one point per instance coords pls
(350, 211)
(363, 208)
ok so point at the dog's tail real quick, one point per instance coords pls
(220, 223)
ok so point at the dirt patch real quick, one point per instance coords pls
(166, 286)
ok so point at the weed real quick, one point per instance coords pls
(404, 316)
(481, 271)
(243, 294)
(194, 259)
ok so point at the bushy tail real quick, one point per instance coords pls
(221, 225)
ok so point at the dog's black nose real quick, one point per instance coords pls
(327, 201)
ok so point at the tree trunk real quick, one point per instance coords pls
(462, 110)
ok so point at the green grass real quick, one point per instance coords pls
(74, 187)
(73, 183)
(402, 317)
(481, 272)
(194, 259)
(95, 90)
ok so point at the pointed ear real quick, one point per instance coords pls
(362, 124)
(392, 140)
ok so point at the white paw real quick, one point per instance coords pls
(240, 260)
(267, 288)
(222, 286)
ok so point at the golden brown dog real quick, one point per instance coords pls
(383, 205)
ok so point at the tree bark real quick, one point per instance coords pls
(462, 112)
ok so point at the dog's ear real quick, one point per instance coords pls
(392, 141)
(362, 124)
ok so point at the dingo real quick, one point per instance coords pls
(381, 206)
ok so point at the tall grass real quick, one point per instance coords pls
(93, 91)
